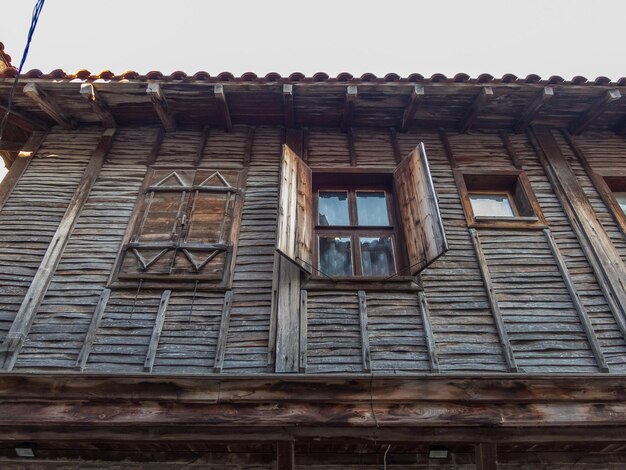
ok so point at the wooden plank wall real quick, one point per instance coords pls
(385, 333)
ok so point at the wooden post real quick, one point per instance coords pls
(98, 105)
(90, 338)
(220, 350)
(428, 333)
(39, 285)
(303, 329)
(285, 455)
(288, 106)
(222, 105)
(486, 456)
(417, 93)
(352, 148)
(156, 331)
(201, 145)
(365, 341)
(19, 166)
(159, 102)
(397, 153)
(287, 318)
(493, 301)
(510, 150)
(348, 108)
(49, 106)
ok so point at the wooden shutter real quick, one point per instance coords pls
(423, 230)
(294, 232)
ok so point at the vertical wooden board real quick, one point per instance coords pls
(303, 330)
(294, 229)
(29, 221)
(248, 336)
(396, 333)
(610, 338)
(287, 318)
(424, 233)
(156, 330)
(222, 338)
(544, 329)
(89, 255)
(333, 332)
(462, 320)
(486, 456)
(366, 356)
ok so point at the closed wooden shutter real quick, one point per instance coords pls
(423, 230)
(294, 228)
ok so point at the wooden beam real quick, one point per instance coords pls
(249, 146)
(348, 108)
(484, 95)
(156, 331)
(397, 153)
(366, 359)
(98, 105)
(429, 338)
(352, 148)
(285, 455)
(159, 102)
(585, 321)
(287, 324)
(303, 329)
(90, 338)
(595, 111)
(23, 121)
(201, 145)
(532, 108)
(493, 301)
(8, 146)
(19, 166)
(486, 456)
(39, 285)
(222, 105)
(595, 243)
(417, 93)
(156, 147)
(49, 106)
(288, 106)
(222, 338)
(508, 145)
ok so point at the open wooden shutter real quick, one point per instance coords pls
(423, 230)
(294, 232)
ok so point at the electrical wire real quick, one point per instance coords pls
(31, 31)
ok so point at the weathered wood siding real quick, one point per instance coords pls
(545, 333)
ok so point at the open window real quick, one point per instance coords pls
(184, 227)
(359, 224)
(499, 199)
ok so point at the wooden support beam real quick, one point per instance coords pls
(417, 93)
(23, 121)
(595, 111)
(29, 149)
(352, 148)
(510, 150)
(348, 108)
(285, 455)
(156, 331)
(486, 456)
(397, 153)
(287, 322)
(303, 329)
(159, 102)
(49, 106)
(222, 105)
(366, 359)
(222, 337)
(288, 106)
(90, 338)
(595, 243)
(445, 140)
(8, 146)
(493, 301)
(201, 145)
(249, 146)
(305, 144)
(156, 147)
(98, 105)
(532, 108)
(578, 304)
(39, 285)
(484, 95)
(428, 333)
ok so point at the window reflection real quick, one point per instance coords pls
(621, 200)
(491, 205)
(372, 208)
(333, 208)
(377, 256)
(335, 256)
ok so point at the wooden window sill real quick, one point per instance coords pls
(507, 222)
(398, 283)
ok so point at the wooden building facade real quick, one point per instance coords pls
(269, 272)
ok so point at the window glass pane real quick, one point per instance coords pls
(621, 200)
(491, 205)
(335, 256)
(372, 208)
(377, 256)
(333, 208)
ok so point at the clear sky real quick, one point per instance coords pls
(546, 37)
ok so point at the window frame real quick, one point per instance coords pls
(180, 280)
(514, 183)
(354, 231)
(608, 183)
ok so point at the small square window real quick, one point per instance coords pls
(499, 199)
(621, 200)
